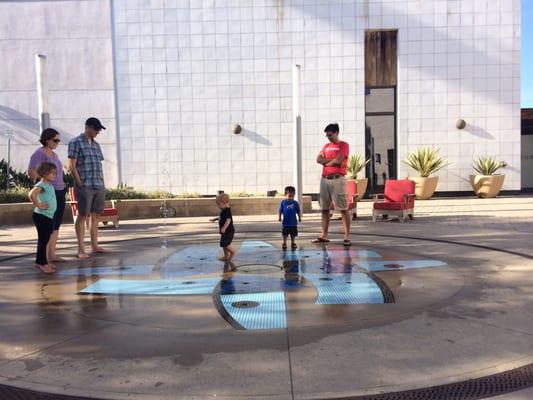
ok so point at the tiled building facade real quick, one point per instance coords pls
(184, 71)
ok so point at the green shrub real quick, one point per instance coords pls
(425, 161)
(17, 194)
(18, 179)
(487, 165)
(123, 193)
(160, 194)
(68, 179)
(241, 194)
(186, 195)
(355, 165)
(21, 179)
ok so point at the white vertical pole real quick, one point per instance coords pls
(116, 91)
(42, 91)
(297, 132)
(8, 133)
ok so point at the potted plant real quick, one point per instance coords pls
(425, 161)
(354, 166)
(487, 183)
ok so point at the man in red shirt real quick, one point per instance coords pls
(333, 157)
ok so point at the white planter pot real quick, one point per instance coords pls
(487, 186)
(362, 183)
(425, 187)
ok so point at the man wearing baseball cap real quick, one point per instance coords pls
(85, 157)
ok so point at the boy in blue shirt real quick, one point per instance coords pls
(289, 208)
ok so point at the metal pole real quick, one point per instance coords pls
(42, 91)
(116, 93)
(8, 133)
(8, 161)
(297, 132)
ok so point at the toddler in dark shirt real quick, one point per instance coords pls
(225, 224)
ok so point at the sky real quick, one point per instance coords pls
(526, 64)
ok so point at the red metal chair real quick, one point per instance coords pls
(398, 199)
(351, 193)
(109, 213)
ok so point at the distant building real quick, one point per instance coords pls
(527, 148)
(171, 77)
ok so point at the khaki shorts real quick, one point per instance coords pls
(333, 190)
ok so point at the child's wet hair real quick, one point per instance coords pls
(223, 198)
(45, 168)
(290, 190)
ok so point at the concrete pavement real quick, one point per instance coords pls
(466, 316)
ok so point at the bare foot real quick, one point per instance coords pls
(83, 255)
(46, 268)
(57, 259)
(99, 249)
(222, 258)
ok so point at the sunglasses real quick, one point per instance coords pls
(56, 140)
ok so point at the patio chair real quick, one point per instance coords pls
(351, 192)
(398, 200)
(110, 214)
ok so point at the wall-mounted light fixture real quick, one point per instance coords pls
(460, 123)
(236, 128)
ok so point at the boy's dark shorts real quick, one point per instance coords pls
(291, 231)
(226, 238)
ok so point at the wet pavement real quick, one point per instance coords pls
(439, 300)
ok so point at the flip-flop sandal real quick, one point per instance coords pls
(320, 240)
(283, 247)
(346, 243)
(294, 247)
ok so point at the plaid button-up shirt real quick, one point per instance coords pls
(89, 159)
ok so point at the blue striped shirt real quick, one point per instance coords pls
(89, 159)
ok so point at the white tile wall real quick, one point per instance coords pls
(187, 70)
(79, 69)
(212, 64)
(472, 76)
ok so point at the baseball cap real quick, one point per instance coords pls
(94, 123)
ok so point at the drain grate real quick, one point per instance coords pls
(474, 389)
(388, 296)
(12, 393)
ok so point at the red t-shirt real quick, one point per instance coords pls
(332, 150)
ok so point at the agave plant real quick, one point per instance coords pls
(426, 161)
(487, 165)
(355, 165)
